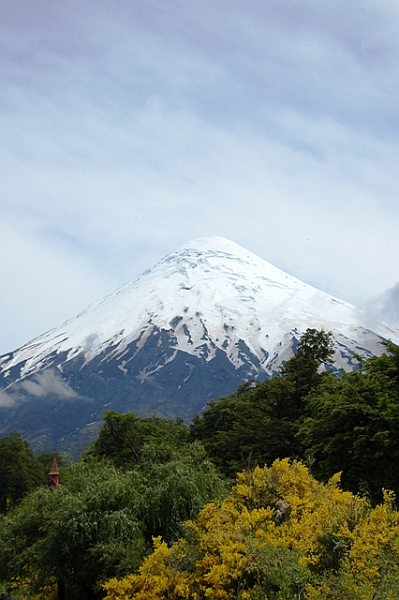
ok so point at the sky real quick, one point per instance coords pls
(128, 128)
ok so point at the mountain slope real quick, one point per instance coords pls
(204, 319)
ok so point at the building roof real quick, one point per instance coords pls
(54, 467)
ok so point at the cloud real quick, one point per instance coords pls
(90, 342)
(128, 130)
(6, 400)
(45, 383)
(43, 282)
(384, 308)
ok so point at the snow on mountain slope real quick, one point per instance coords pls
(210, 294)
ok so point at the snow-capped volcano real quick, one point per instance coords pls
(202, 320)
(211, 293)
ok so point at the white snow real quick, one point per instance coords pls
(224, 294)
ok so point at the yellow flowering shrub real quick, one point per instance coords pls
(279, 535)
(160, 576)
(313, 511)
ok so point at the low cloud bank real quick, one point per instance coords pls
(39, 385)
(48, 382)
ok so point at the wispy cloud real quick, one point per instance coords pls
(6, 400)
(384, 308)
(47, 383)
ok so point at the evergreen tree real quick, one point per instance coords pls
(253, 426)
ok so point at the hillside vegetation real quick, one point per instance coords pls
(155, 510)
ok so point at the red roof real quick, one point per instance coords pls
(54, 467)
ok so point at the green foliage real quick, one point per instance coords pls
(279, 534)
(79, 533)
(314, 349)
(174, 491)
(348, 423)
(274, 572)
(100, 522)
(258, 424)
(20, 471)
(353, 426)
(250, 427)
(123, 436)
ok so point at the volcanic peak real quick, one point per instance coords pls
(211, 294)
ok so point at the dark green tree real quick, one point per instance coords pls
(251, 427)
(123, 436)
(353, 426)
(315, 348)
(259, 423)
(20, 471)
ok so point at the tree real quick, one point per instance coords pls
(259, 423)
(74, 536)
(315, 348)
(175, 490)
(353, 426)
(251, 427)
(20, 471)
(100, 522)
(123, 436)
